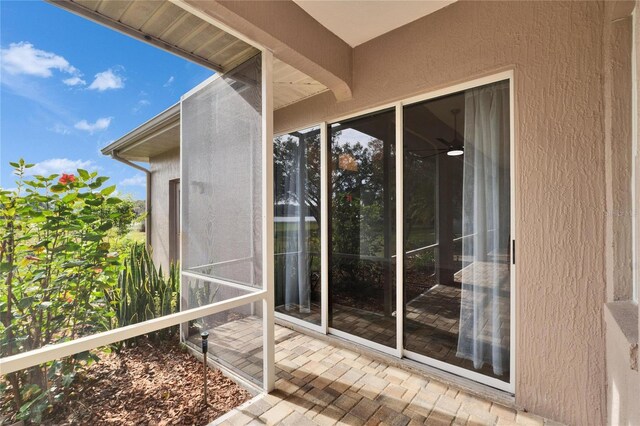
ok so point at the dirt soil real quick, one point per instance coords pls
(148, 384)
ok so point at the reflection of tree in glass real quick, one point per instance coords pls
(362, 184)
(285, 153)
(419, 200)
(358, 198)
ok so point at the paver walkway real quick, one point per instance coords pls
(319, 383)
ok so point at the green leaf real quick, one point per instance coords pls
(70, 197)
(108, 190)
(42, 243)
(95, 202)
(84, 174)
(102, 179)
(98, 182)
(113, 200)
(92, 237)
(25, 302)
(106, 226)
(39, 276)
(82, 356)
(57, 188)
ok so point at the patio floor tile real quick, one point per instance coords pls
(319, 383)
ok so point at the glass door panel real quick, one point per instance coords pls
(297, 224)
(457, 229)
(362, 228)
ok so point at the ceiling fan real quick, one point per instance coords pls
(454, 148)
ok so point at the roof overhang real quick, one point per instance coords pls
(156, 136)
(174, 27)
(165, 25)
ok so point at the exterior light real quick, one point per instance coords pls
(455, 152)
(205, 347)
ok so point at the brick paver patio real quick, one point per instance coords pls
(320, 383)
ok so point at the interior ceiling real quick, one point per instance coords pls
(166, 25)
(358, 21)
(428, 126)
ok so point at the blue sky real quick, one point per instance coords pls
(70, 86)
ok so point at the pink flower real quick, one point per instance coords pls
(65, 179)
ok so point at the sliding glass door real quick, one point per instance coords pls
(457, 229)
(449, 304)
(362, 228)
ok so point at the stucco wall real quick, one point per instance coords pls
(618, 160)
(636, 157)
(621, 314)
(555, 49)
(164, 167)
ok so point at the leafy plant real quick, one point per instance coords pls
(143, 292)
(58, 259)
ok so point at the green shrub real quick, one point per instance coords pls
(59, 257)
(143, 292)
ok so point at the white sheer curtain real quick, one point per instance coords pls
(297, 282)
(484, 310)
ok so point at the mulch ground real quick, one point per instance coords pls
(148, 384)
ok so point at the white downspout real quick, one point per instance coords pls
(147, 172)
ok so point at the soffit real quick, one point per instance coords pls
(154, 137)
(163, 24)
(358, 21)
(291, 86)
(154, 145)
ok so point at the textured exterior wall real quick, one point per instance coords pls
(621, 315)
(164, 168)
(636, 159)
(617, 120)
(556, 51)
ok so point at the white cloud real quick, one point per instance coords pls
(60, 129)
(24, 58)
(141, 104)
(74, 81)
(107, 80)
(169, 82)
(99, 125)
(59, 166)
(137, 180)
